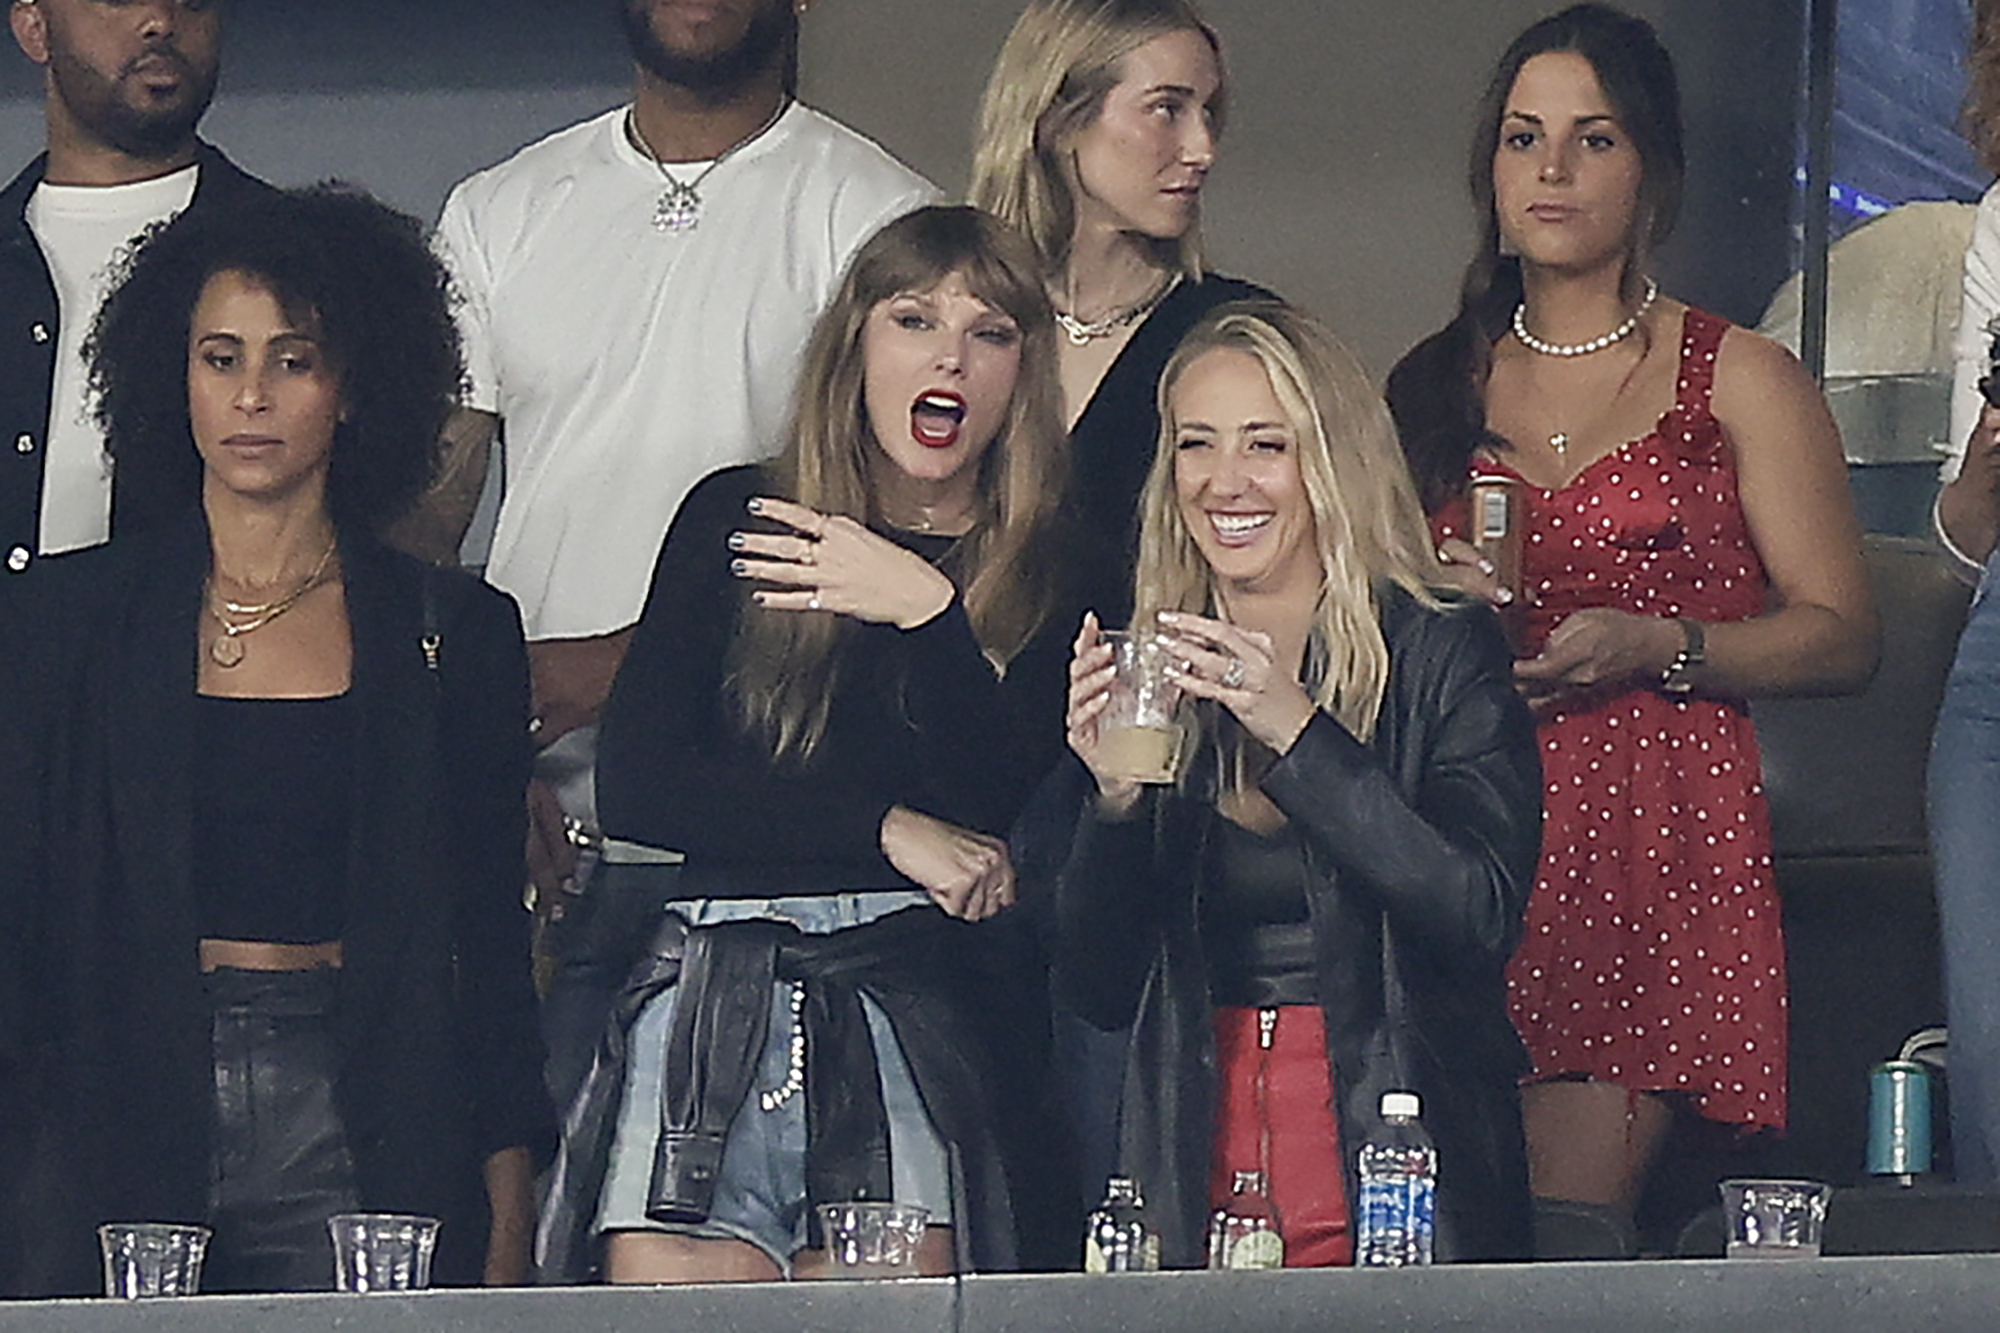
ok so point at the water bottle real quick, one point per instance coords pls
(1243, 1233)
(1398, 1210)
(1117, 1239)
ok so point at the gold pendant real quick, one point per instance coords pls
(226, 651)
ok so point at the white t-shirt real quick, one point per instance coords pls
(627, 363)
(83, 231)
(1979, 304)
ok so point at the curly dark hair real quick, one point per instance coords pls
(360, 271)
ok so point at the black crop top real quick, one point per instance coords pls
(1256, 924)
(272, 804)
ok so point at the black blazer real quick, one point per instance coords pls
(1433, 826)
(143, 493)
(441, 1054)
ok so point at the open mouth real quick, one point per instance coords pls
(935, 419)
(1238, 529)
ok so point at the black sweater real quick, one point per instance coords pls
(919, 719)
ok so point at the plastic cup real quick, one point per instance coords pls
(145, 1259)
(1140, 733)
(867, 1239)
(382, 1251)
(1774, 1219)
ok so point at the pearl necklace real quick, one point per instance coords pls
(1597, 344)
(678, 208)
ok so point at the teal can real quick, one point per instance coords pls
(1899, 1119)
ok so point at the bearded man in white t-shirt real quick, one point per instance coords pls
(638, 291)
(125, 85)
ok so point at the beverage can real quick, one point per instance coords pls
(1899, 1119)
(1498, 529)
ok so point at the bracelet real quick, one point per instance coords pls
(1693, 654)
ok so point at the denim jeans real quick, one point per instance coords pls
(1965, 843)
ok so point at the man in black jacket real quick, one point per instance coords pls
(124, 87)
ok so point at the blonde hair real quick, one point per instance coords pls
(1367, 525)
(785, 665)
(1049, 84)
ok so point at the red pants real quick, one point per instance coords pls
(1275, 1115)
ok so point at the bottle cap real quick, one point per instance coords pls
(1402, 1105)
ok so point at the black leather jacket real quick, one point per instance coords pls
(29, 333)
(1432, 829)
(911, 963)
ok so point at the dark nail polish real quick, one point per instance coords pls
(735, 541)
(738, 566)
(755, 505)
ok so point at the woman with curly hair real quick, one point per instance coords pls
(284, 968)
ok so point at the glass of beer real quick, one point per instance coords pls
(1141, 732)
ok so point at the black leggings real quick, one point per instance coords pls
(281, 1166)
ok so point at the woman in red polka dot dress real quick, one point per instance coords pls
(1687, 543)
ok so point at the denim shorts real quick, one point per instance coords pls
(760, 1191)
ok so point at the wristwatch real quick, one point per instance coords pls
(1693, 653)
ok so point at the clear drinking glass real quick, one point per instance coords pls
(869, 1239)
(382, 1251)
(1141, 732)
(143, 1259)
(1774, 1219)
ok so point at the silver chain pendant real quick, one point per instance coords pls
(678, 209)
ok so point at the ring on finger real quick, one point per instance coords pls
(1233, 677)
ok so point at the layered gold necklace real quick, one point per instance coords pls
(227, 650)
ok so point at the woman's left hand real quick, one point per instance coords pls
(836, 564)
(967, 873)
(1238, 669)
(1599, 648)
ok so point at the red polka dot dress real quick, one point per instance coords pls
(1652, 956)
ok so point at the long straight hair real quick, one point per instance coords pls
(1368, 529)
(1437, 391)
(1048, 85)
(784, 665)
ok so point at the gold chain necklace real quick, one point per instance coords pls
(1082, 334)
(227, 649)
